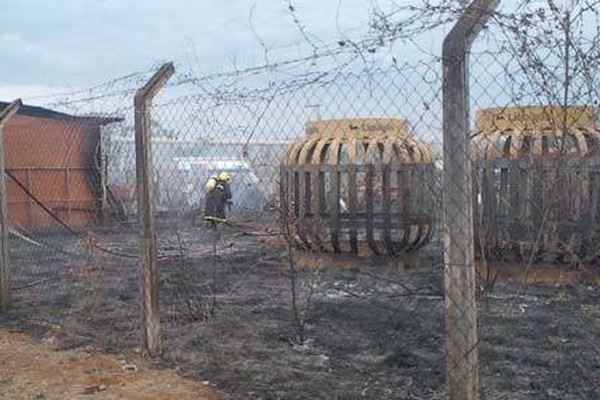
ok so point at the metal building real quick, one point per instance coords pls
(53, 160)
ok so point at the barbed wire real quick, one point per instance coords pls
(244, 119)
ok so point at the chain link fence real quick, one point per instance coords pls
(328, 278)
(70, 232)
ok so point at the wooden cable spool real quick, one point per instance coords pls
(537, 183)
(358, 186)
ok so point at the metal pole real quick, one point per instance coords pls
(151, 334)
(5, 275)
(462, 375)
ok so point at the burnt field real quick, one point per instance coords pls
(366, 331)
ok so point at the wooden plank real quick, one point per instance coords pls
(296, 197)
(284, 201)
(301, 191)
(416, 231)
(308, 194)
(513, 192)
(488, 193)
(594, 195)
(335, 195)
(523, 189)
(321, 205)
(318, 203)
(352, 207)
(561, 210)
(428, 207)
(386, 205)
(369, 180)
(301, 201)
(334, 207)
(425, 204)
(312, 200)
(537, 199)
(504, 198)
(404, 204)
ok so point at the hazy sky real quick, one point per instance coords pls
(50, 45)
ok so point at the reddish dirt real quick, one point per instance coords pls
(36, 370)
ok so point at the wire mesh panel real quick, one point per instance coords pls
(242, 292)
(534, 146)
(329, 157)
(71, 232)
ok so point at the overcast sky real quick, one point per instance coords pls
(53, 45)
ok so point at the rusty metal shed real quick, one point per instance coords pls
(53, 163)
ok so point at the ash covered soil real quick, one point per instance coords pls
(368, 331)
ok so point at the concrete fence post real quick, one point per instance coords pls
(5, 273)
(462, 365)
(151, 332)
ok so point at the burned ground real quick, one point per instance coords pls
(369, 332)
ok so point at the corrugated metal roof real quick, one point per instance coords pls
(34, 111)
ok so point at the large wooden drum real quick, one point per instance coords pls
(537, 183)
(358, 186)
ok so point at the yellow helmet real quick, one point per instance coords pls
(224, 176)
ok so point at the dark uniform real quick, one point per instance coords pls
(218, 195)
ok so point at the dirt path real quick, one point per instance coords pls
(30, 370)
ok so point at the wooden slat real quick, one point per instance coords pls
(335, 194)
(318, 201)
(352, 190)
(306, 201)
(369, 161)
(522, 190)
(301, 203)
(403, 181)
(503, 201)
(370, 177)
(284, 199)
(385, 187)
(490, 203)
(334, 206)
(594, 195)
(513, 192)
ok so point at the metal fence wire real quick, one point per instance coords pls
(331, 277)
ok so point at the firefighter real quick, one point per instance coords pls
(218, 195)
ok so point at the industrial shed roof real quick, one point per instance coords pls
(35, 111)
